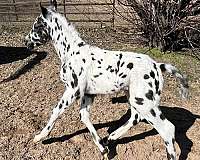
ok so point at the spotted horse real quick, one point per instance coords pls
(88, 70)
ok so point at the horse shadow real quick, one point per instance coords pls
(12, 54)
(181, 118)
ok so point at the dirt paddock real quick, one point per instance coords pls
(30, 88)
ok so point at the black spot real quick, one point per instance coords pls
(81, 44)
(146, 76)
(112, 70)
(149, 95)
(162, 67)
(120, 74)
(64, 70)
(99, 62)
(150, 84)
(122, 64)
(124, 76)
(52, 31)
(48, 128)
(121, 84)
(134, 122)
(83, 60)
(77, 94)
(130, 65)
(157, 85)
(95, 76)
(109, 67)
(68, 47)
(138, 57)
(92, 54)
(81, 71)
(72, 84)
(154, 65)
(136, 116)
(120, 56)
(153, 112)
(162, 116)
(166, 143)
(139, 101)
(75, 79)
(118, 63)
(99, 67)
(56, 28)
(66, 103)
(60, 106)
(152, 74)
(159, 92)
(64, 44)
(58, 37)
(77, 53)
(93, 59)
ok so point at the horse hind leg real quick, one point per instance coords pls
(146, 103)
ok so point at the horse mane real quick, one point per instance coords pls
(67, 27)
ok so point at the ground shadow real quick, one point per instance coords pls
(12, 54)
(181, 118)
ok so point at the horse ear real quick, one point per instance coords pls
(53, 4)
(44, 11)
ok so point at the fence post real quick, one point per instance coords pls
(64, 8)
(113, 15)
(15, 10)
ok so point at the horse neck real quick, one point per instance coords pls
(64, 36)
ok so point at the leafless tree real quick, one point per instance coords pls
(168, 24)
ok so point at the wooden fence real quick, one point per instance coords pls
(78, 11)
(81, 12)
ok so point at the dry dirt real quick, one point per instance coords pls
(33, 88)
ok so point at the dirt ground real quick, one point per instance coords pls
(32, 88)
